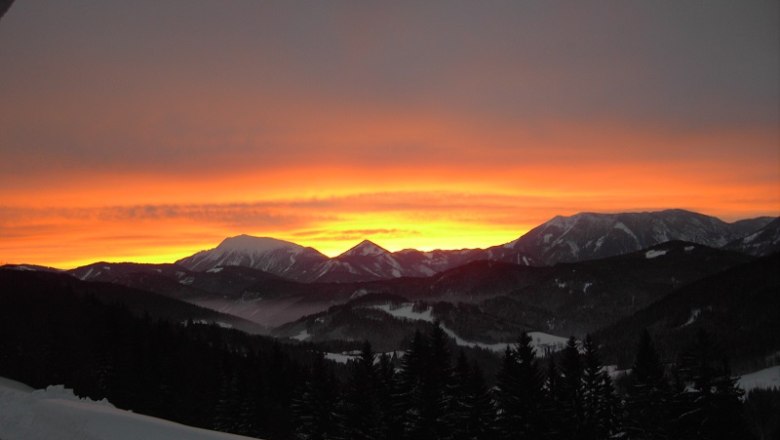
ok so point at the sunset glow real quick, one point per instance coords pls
(327, 128)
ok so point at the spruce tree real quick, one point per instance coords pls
(519, 392)
(426, 381)
(388, 395)
(437, 379)
(482, 417)
(570, 391)
(727, 420)
(610, 410)
(458, 413)
(599, 402)
(649, 394)
(410, 383)
(508, 394)
(709, 404)
(552, 407)
(228, 404)
(360, 414)
(314, 409)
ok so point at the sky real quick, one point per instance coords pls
(146, 130)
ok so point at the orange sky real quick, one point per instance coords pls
(149, 132)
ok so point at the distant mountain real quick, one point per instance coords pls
(489, 301)
(739, 306)
(364, 262)
(30, 268)
(419, 263)
(368, 262)
(581, 237)
(278, 257)
(589, 236)
(583, 296)
(764, 241)
(141, 302)
(249, 293)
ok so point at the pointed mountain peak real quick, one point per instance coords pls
(248, 243)
(365, 248)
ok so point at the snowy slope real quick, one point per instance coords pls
(542, 342)
(278, 257)
(364, 262)
(764, 241)
(580, 237)
(767, 378)
(588, 236)
(55, 413)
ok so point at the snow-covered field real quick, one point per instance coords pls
(766, 378)
(405, 311)
(541, 341)
(347, 356)
(56, 413)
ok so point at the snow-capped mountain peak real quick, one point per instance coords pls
(248, 243)
(365, 248)
(268, 254)
(582, 236)
(586, 235)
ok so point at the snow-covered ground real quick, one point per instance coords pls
(766, 378)
(405, 311)
(344, 357)
(541, 341)
(303, 335)
(652, 253)
(694, 316)
(56, 413)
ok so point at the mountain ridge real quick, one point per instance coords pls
(579, 237)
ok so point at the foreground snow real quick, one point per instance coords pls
(55, 413)
(766, 378)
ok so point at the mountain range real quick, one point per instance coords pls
(570, 275)
(584, 236)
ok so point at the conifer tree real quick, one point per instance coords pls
(649, 394)
(436, 384)
(570, 392)
(710, 402)
(520, 396)
(591, 380)
(552, 407)
(459, 410)
(507, 394)
(388, 395)
(426, 386)
(482, 417)
(360, 415)
(472, 413)
(599, 403)
(410, 383)
(314, 408)
(610, 410)
(227, 405)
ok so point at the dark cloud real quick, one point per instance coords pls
(204, 85)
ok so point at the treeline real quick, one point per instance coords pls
(569, 396)
(199, 375)
(221, 379)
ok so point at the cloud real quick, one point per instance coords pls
(474, 121)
